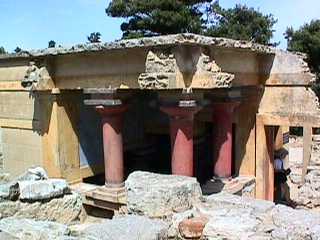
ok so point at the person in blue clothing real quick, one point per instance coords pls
(282, 190)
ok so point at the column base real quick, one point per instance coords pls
(114, 185)
(113, 195)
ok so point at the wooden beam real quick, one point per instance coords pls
(307, 141)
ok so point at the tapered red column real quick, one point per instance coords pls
(222, 138)
(112, 121)
(181, 133)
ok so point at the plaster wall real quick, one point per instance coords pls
(22, 149)
(20, 141)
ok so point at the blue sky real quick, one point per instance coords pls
(31, 24)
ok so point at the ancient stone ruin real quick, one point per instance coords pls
(149, 129)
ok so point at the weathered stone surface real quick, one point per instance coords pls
(296, 224)
(1, 154)
(306, 195)
(42, 190)
(4, 191)
(64, 210)
(4, 177)
(192, 228)
(33, 174)
(162, 69)
(226, 200)
(127, 228)
(26, 229)
(188, 39)
(158, 195)
(234, 217)
(33, 185)
(234, 223)
(7, 236)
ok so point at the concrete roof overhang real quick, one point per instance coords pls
(147, 43)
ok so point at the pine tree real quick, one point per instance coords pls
(2, 50)
(94, 37)
(242, 23)
(51, 44)
(158, 17)
(17, 50)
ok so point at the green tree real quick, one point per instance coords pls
(17, 50)
(2, 50)
(158, 17)
(242, 23)
(307, 40)
(51, 44)
(94, 37)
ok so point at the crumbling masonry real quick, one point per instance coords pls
(97, 108)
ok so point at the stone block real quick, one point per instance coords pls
(128, 228)
(23, 229)
(159, 195)
(33, 174)
(66, 209)
(42, 190)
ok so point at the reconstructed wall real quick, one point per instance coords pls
(42, 126)
(21, 139)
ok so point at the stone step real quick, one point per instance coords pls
(101, 196)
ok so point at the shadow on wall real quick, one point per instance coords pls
(56, 118)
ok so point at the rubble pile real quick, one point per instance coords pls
(33, 195)
(307, 194)
(217, 216)
(168, 207)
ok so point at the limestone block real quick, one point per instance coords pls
(128, 228)
(9, 191)
(65, 210)
(33, 174)
(226, 200)
(231, 227)
(159, 195)
(296, 224)
(23, 229)
(42, 190)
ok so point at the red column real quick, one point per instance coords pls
(181, 133)
(112, 121)
(222, 138)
